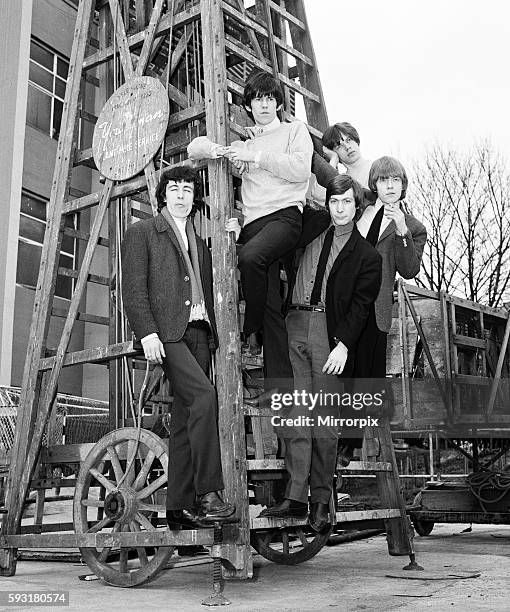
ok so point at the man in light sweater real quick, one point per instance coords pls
(275, 166)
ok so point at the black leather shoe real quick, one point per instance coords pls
(319, 517)
(212, 508)
(183, 519)
(288, 508)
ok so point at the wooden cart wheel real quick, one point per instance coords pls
(288, 545)
(423, 528)
(107, 500)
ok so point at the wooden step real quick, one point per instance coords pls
(354, 466)
(341, 517)
(94, 355)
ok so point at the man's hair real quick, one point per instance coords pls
(338, 185)
(180, 174)
(261, 84)
(334, 134)
(384, 167)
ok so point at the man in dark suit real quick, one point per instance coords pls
(167, 292)
(330, 298)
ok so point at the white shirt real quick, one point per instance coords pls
(180, 222)
(367, 217)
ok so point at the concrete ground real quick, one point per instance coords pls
(349, 576)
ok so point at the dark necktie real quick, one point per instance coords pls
(373, 232)
(321, 266)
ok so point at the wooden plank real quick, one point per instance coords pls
(95, 355)
(136, 40)
(91, 278)
(270, 34)
(242, 51)
(426, 347)
(81, 316)
(388, 485)
(49, 386)
(354, 466)
(470, 379)
(244, 19)
(228, 356)
(127, 188)
(291, 18)
(80, 235)
(499, 367)
(308, 74)
(122, 42)
(112, 540)
(26, 446)
(150, 33)
(341, 517)
(468, 342)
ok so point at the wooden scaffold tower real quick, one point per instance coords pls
(177, 68)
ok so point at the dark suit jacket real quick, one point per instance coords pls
(155, 286)
(352, 285)
(400, 254)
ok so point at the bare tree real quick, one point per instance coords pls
(464, 201)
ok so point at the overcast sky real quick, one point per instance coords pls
(408, 73)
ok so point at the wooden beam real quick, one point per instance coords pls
(26, 446)
(122, 43)
(81, 316)
(150, 34)
(136, 40)
(99, 354)
(228, 355)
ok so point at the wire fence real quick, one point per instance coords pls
(73, 419)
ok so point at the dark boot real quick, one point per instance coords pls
(212, 508)
(183, 519)
(288, 508)
(319, 517)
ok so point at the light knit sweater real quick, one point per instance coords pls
(280, 179)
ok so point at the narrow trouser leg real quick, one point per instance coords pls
(298, 439)
(195, 462)
(325, 431)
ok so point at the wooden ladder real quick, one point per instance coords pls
(201, 51)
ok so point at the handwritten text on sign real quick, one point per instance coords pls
(130, 128)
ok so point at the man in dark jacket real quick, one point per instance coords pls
(167, 292)
(336, 284)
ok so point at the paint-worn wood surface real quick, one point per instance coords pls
(228, 358)
(21, 469)
(130, 128)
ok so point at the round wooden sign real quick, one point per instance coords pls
(130, 128)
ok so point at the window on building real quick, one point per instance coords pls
(31, 237)
(46, 88)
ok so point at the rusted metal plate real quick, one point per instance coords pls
(130, 128)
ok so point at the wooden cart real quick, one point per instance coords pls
(450, 364)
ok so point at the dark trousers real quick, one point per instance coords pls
(277, 366)
(371, 350)
(310, 450)
(194, 465)
(264, 241)
(322, 169)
